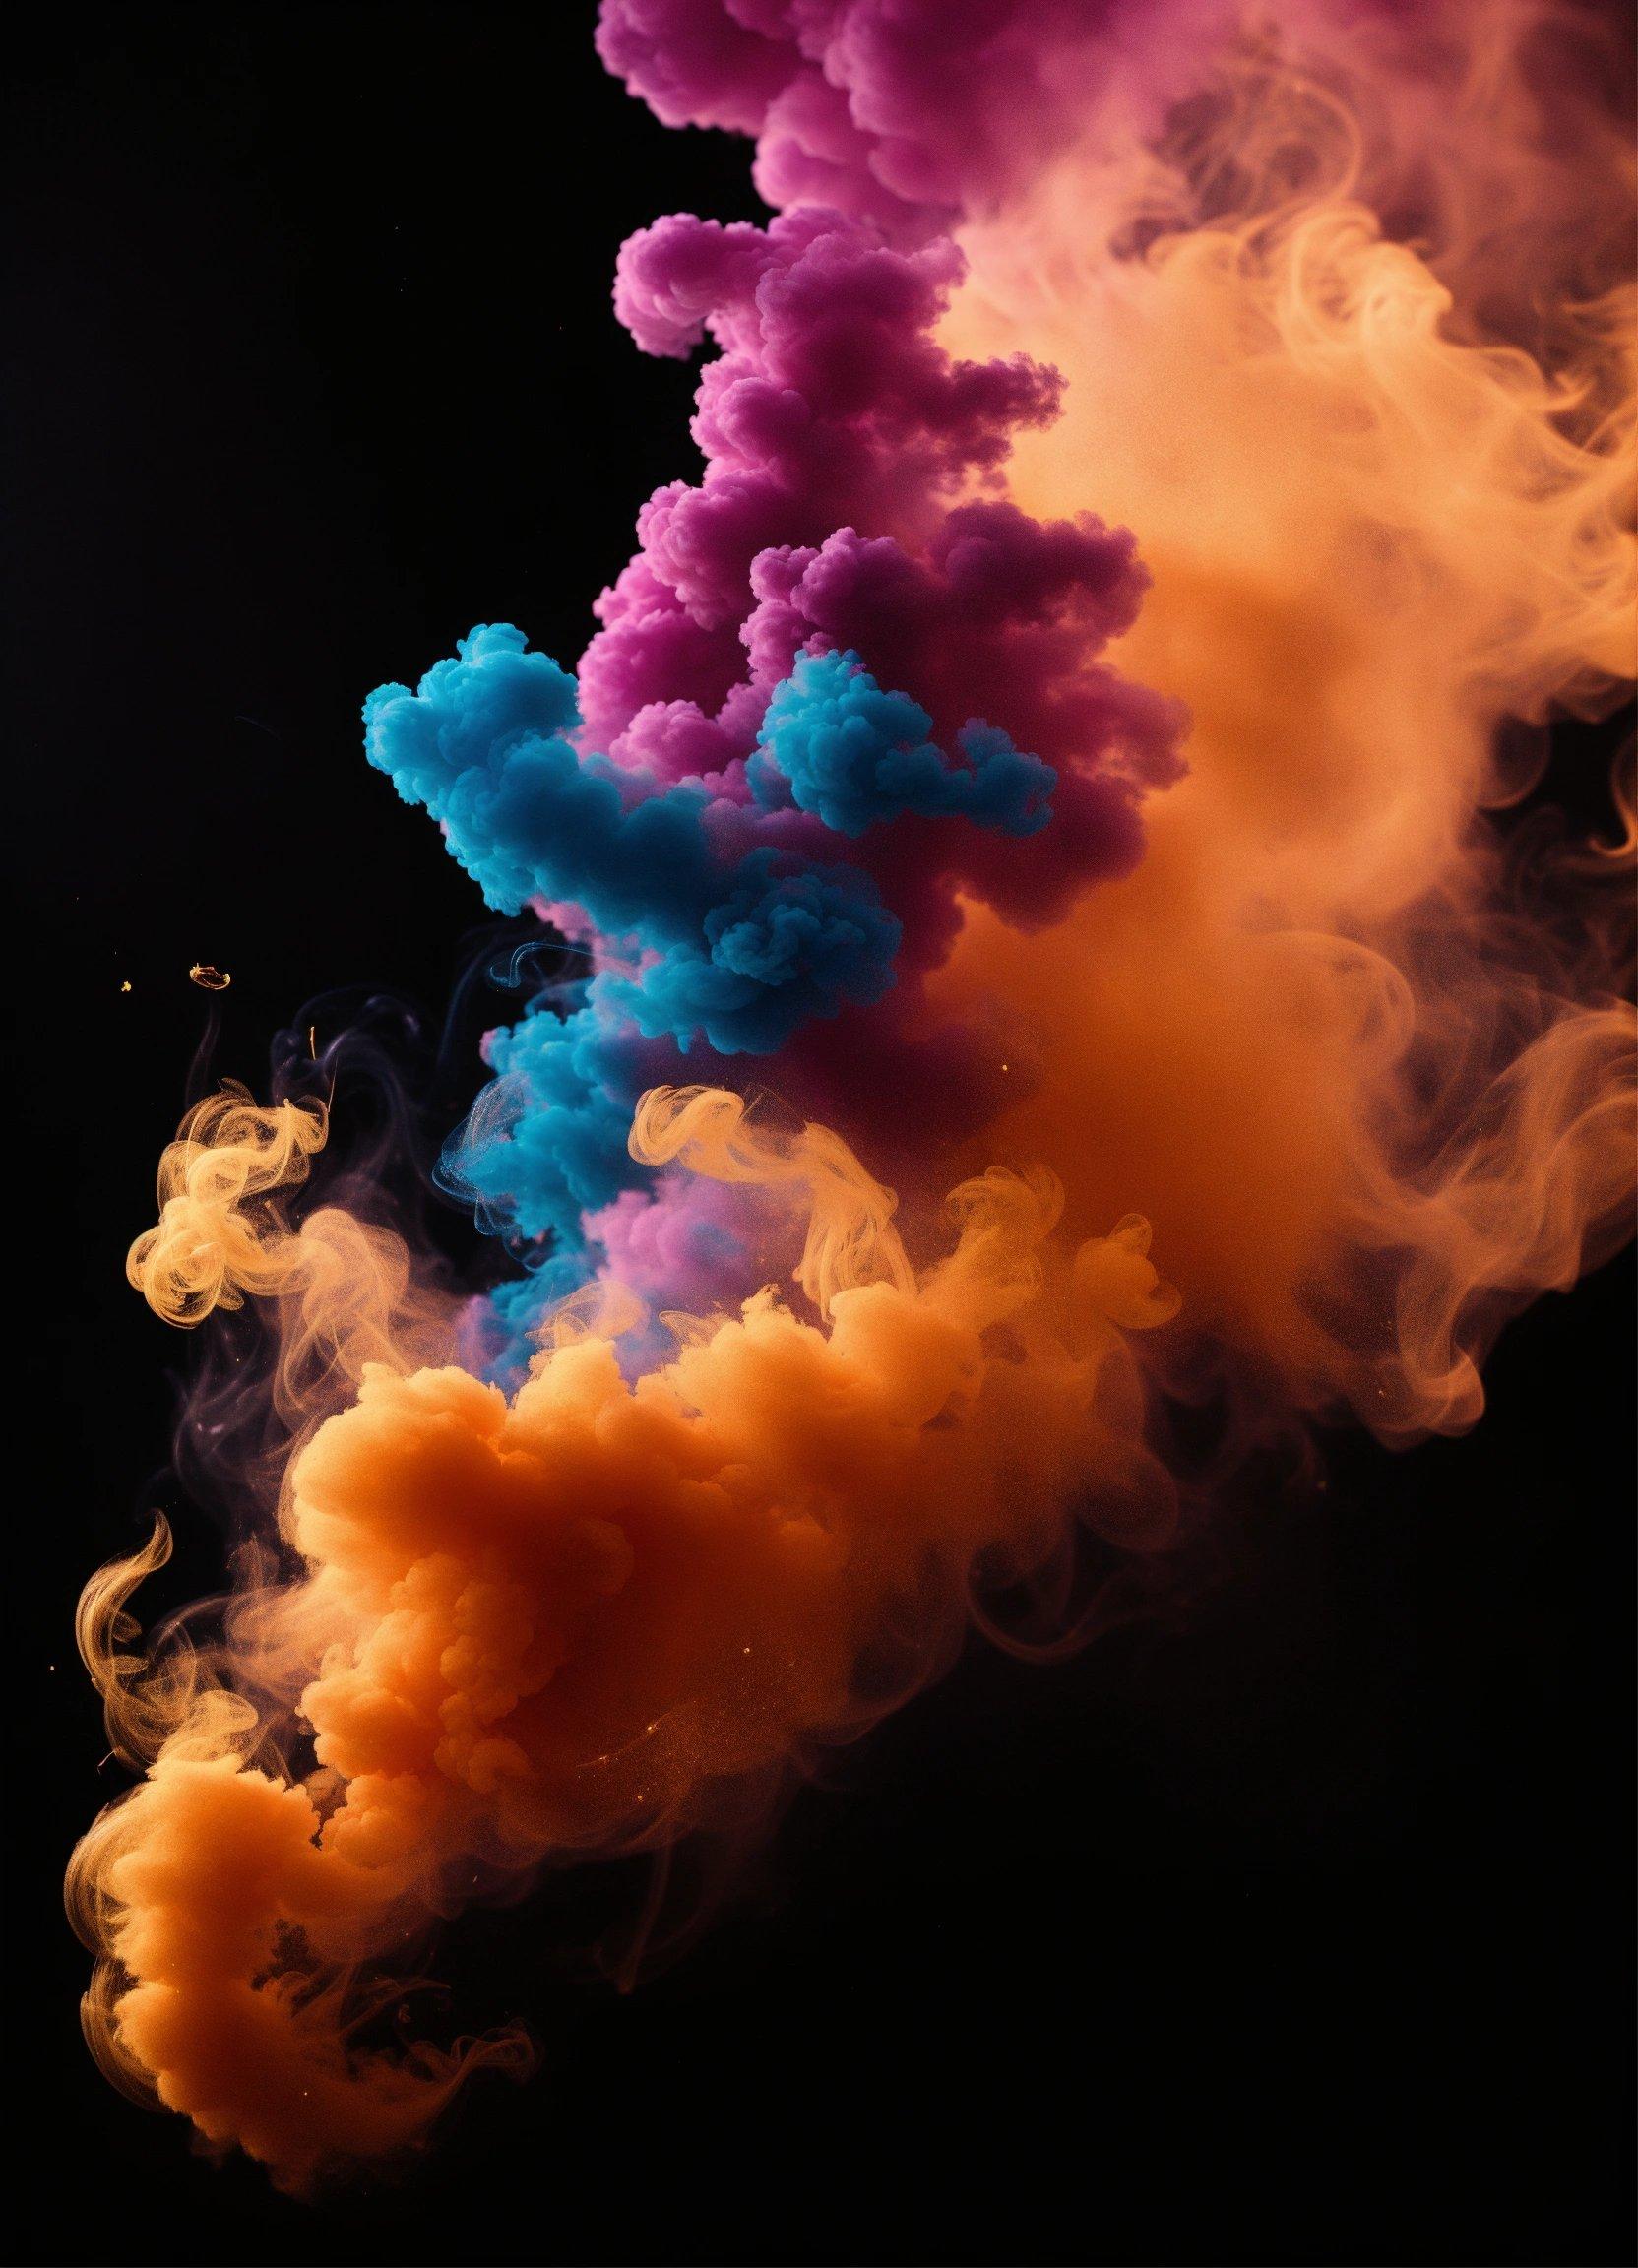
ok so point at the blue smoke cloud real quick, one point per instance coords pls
(482, 746)
(719, 953)
(546, 1140)
(835, 744)
(775, 951)
(737, 950)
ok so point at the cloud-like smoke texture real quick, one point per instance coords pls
(1252, 399)
(665, 808)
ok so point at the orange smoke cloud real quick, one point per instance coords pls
(577, 1618)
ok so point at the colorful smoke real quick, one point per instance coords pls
(1165, 465)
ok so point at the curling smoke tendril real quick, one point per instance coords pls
(1051, 761)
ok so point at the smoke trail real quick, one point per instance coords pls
(870, 795)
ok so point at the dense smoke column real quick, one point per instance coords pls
(1030, 795)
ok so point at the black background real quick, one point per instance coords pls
(1292, 1926)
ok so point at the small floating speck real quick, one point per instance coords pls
(210, 980)
(126, 985)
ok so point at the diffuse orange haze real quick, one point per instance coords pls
(1345, 346)
(1373, 1097)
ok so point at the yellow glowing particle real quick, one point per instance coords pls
(210, 980)
(125, 985)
